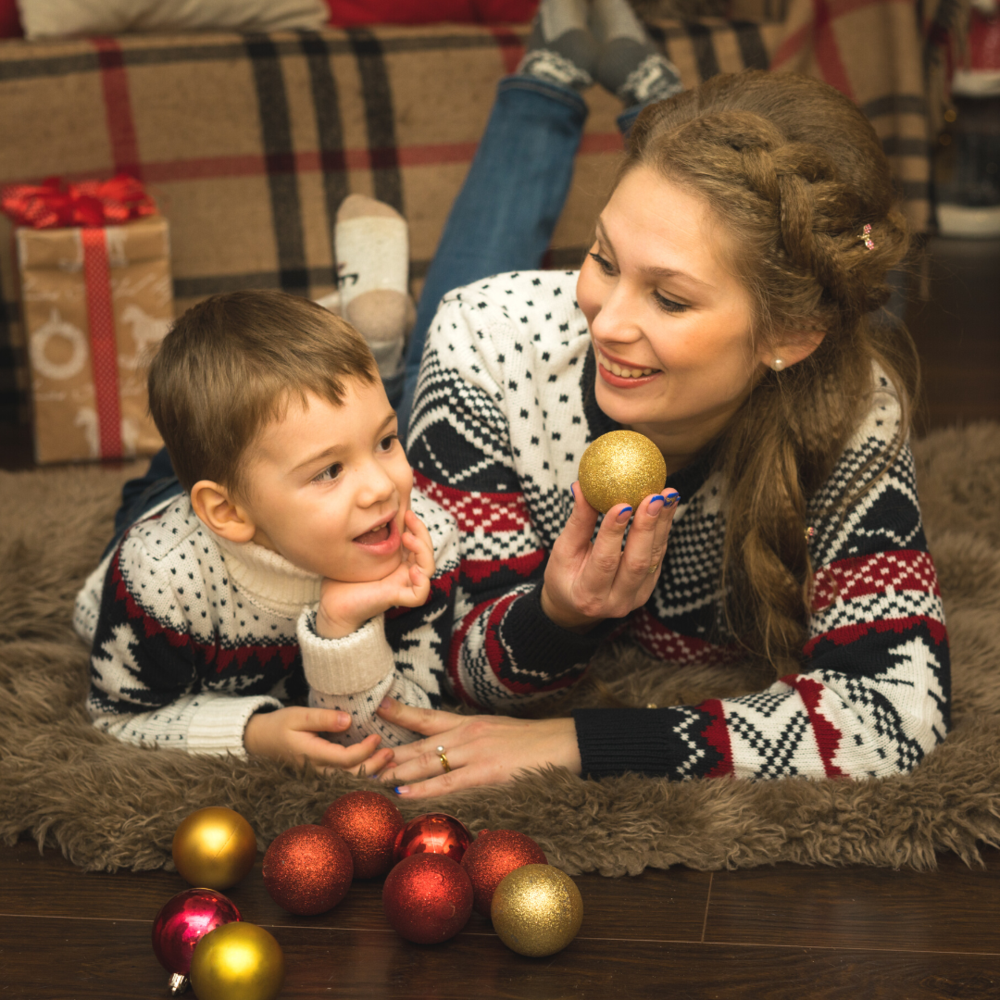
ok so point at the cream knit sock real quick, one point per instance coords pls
(372, 243)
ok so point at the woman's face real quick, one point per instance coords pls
(669, 322)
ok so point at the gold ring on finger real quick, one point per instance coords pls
(443, 758)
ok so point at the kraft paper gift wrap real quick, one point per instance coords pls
(96, 303)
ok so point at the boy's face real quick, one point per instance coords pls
(329, 485)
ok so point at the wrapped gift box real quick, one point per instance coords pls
(96, 302)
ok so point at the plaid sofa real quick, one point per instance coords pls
(248, 143)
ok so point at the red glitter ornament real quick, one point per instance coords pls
(369, 823)
(182, 922)
(433, 833)
(492, 856)
(308, 869)
(427, 898)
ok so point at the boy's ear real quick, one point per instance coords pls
(793, 348)
(213, 504)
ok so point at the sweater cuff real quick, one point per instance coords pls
(218, 723)
(350, 665)
(543, 645)
(648, 741)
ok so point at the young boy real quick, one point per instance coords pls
(286, 565)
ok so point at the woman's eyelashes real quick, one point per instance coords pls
(387, 442)
(668, 305)
(663, 303)
(602, 262)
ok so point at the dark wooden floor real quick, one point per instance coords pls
(782, 932)
(777, 932)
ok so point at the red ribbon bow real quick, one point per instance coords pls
(55, 203)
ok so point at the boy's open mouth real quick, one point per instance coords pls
(375, 535)
(382, 539)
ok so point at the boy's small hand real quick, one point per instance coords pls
(345, 607)
(292, 735)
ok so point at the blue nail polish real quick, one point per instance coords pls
(623, 515)
(672, 499)
(396, 789)
(653, 509)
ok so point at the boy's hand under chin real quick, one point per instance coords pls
(345, 607)
(293, 736)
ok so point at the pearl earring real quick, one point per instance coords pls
(778, 364)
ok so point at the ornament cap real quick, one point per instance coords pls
(178, 984)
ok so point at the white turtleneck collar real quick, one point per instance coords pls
(269, 579)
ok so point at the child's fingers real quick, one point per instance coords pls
(417, 526)
(343, 758)
(420, 543)
(378, 761)
(321, 720)
(415, 592)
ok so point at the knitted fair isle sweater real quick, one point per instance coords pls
(505, 407)
(191, 634)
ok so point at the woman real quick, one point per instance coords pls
(726, 310)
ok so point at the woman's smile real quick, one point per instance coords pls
(620, 375)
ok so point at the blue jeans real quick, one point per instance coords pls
(141, 495)
(502, 220)
(513, 195)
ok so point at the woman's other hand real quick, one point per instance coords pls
(587, 582)
(479, 749)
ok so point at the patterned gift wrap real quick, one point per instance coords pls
(248, 143)
(96, 303)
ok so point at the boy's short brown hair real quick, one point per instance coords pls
(228, 367)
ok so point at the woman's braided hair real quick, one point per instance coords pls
(793, 172)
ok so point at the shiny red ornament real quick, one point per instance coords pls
(182, 922)
(433, 833)
(369, 824)
(308, 869)
(427, 898)
(492, 856)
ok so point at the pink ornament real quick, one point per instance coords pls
(181, 923)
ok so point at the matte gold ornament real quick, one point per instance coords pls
(537, 910)
(621, 467)
(214, 848)
(237, 961)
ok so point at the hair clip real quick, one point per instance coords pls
(866, 236)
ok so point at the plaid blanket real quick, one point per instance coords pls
(248, 143)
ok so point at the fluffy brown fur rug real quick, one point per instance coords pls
(108, 805)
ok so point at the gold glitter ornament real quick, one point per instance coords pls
(621, 467)
(537, 910)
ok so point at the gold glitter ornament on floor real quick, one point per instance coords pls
(537, 910)
(621, 467)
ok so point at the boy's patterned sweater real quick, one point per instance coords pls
(192, 634)
(505, 408)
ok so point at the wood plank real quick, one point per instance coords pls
(658, 904)
(51, 959)
(955, 909)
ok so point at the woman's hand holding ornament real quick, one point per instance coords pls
(587, 582)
